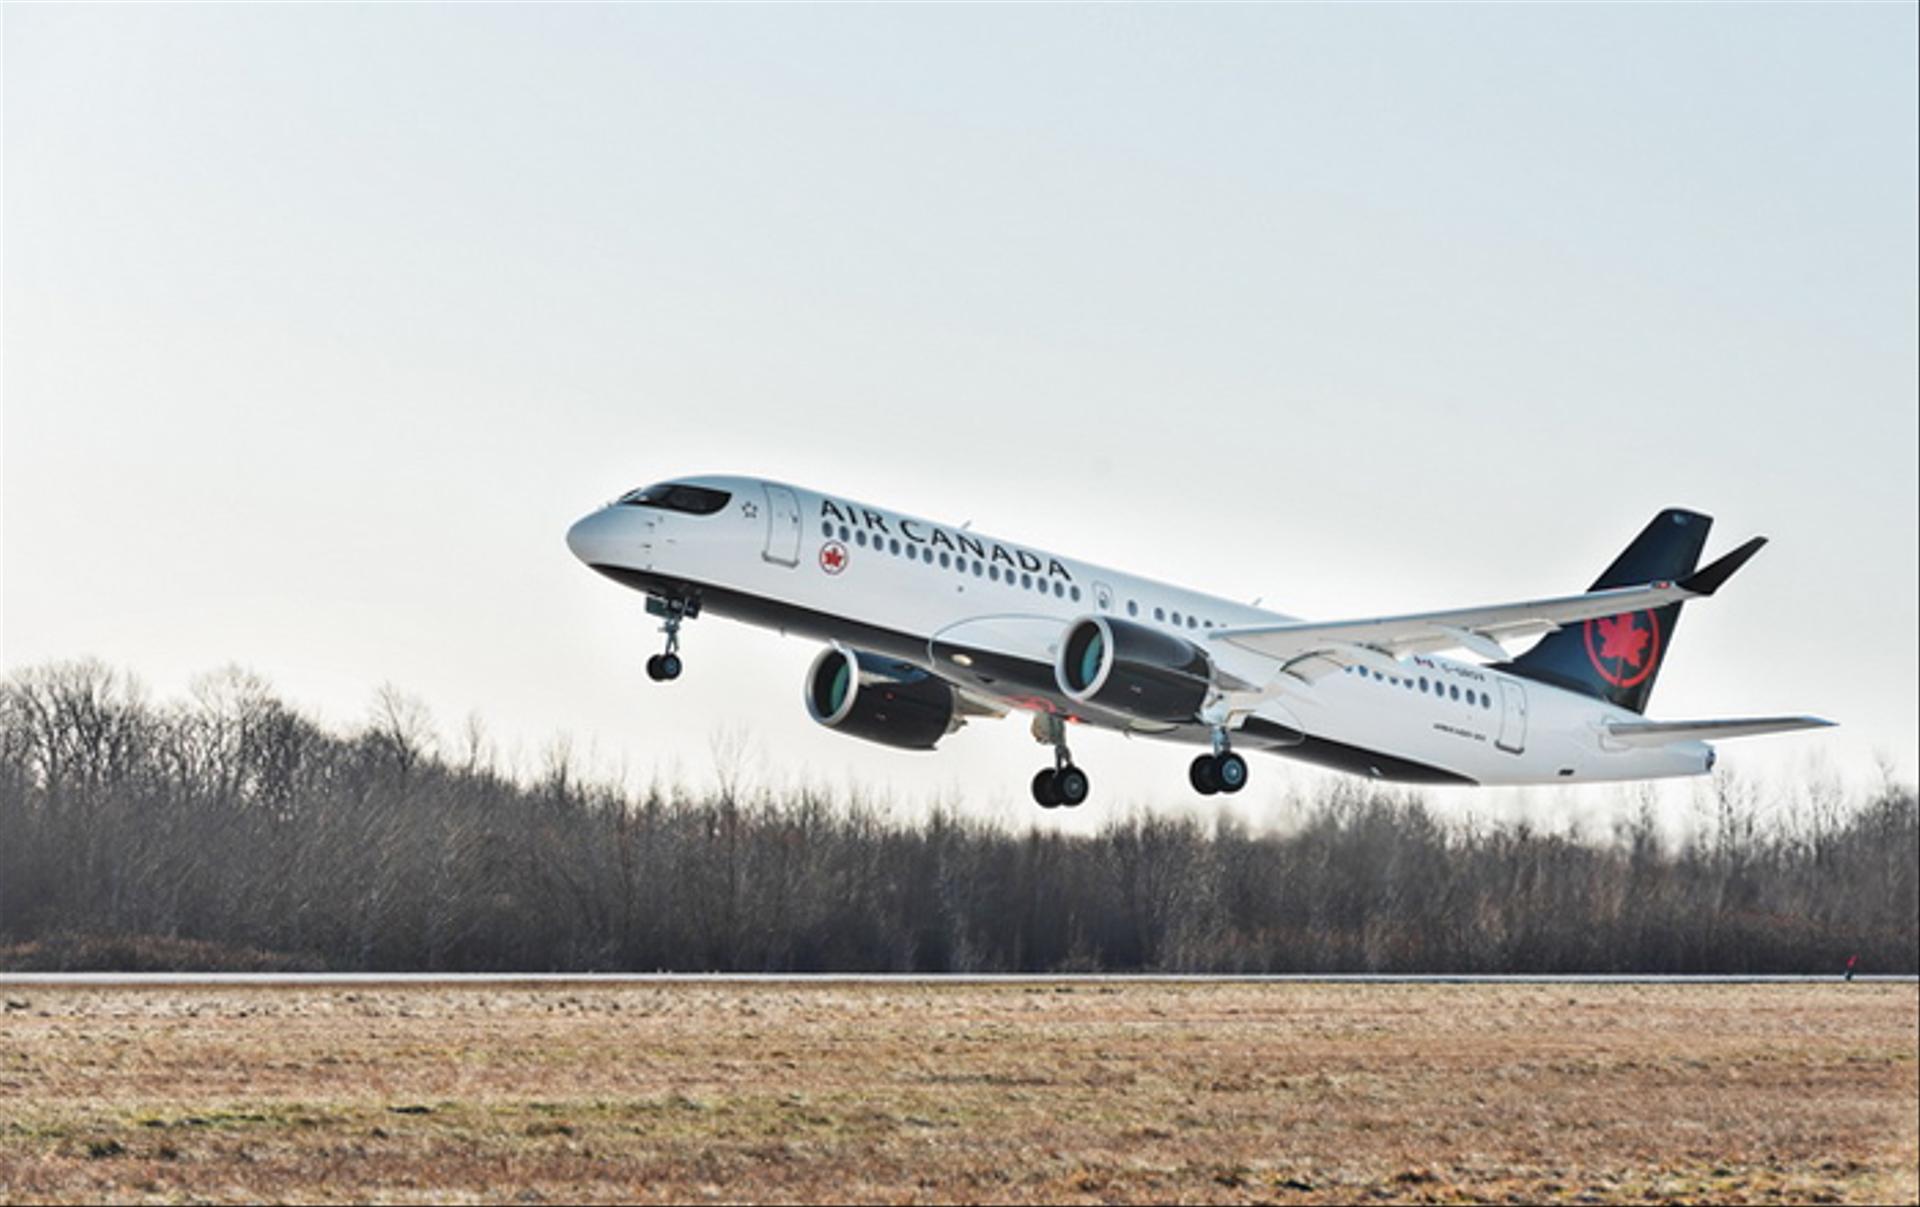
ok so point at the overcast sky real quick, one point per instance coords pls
(322, 323)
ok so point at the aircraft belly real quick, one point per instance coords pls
(1372, 715)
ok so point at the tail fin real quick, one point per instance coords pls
(1617, 658)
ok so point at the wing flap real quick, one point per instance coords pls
(1660, 733)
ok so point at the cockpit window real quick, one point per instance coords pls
(676, 496)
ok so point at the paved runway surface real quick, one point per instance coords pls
(319, 979)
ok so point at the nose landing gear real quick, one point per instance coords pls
(1063, 783)
(665, 667)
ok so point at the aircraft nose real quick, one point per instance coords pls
(588, 537)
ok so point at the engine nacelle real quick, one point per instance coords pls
(880, 699)
(1132, 669)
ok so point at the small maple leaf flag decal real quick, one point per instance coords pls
(833, 557)
(1628, 645)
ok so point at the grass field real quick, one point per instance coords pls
(1042, 1093)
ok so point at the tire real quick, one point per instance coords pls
(1200, 775)
(1072, 785)
(653, 668)
(669, 666)
(1230, 772)
(1045, 793)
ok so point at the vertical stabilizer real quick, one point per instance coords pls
(1617, 658)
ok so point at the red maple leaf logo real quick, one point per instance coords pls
(1620, 640)
(1625, 652)
(833, 557)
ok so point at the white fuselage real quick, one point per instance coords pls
(988, 615)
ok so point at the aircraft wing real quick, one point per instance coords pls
(1659, 733)
(1310, 649)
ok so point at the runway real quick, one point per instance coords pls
(310, 980)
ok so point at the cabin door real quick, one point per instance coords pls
(783, 526)
(1513, 717)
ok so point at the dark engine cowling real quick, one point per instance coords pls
(1132, 669)
(880, 699)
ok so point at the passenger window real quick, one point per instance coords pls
(1176, 619)
(1060, 589)
(1133, 607)
(1454, 690)
(860, 538)
(1026, 582)
(826, 529)
(1075, 592)
(1159, 613)
(845, 536)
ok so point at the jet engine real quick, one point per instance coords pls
(1133, 670)
(880, 699)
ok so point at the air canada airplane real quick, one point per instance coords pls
(929, 625)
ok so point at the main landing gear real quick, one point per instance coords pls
(666, 666)
(1062, 783)
(1221, 771)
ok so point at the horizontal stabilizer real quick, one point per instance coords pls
(1660, 733)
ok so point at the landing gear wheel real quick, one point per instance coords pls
(1229, 772)
(1201, 774)
(665, 667)
(1071, 784)
(1046, 793)
(1062, 783)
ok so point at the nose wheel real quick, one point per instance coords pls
(662, 668)
(665, 667)
(1063, 783)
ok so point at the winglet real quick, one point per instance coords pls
(1707, 579)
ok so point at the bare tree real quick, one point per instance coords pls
(227, 827)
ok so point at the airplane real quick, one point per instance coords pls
(927, 626)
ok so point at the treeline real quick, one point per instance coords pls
(229, 823)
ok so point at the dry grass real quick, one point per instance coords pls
(1085, 1093)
